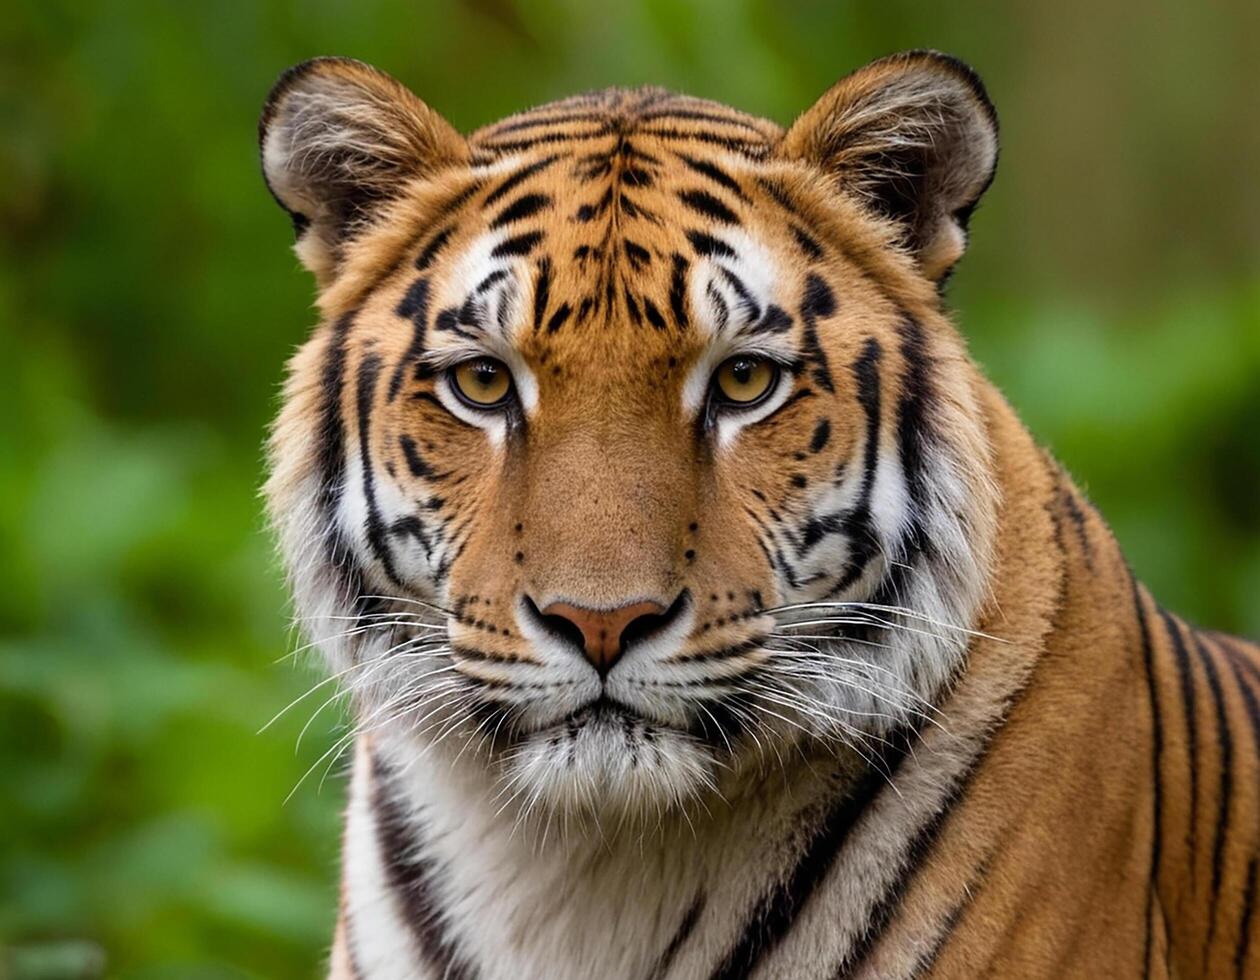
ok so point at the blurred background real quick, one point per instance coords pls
(148, 300)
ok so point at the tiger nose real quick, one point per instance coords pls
(603, 632)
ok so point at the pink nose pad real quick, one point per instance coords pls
(602, 629)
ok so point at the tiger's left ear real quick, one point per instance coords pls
(339, 140)
(914, 138)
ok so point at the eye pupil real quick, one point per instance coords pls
(482, 382)
(745, 380)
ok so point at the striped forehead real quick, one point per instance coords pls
(555, 254)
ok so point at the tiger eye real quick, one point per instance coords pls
(482, 382)
(744, 380)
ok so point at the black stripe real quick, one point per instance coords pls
(774, 320)
(855, 523)
(1244, 927)
(714, 173)
(653, 314)
(719, 653)
(416, 463)
(818, 303)
(331, 464)
(517, 178)
(369, 373)
(747, 148)
(1185, 671)
(558, 318)
(776, 913)
(821, 436)
(923, 965)
(636, 253)
(685, 927)
(723, 311)
(714, 117)
(530, 121)
(431, 250)
(589, 212)
(498, 275)
(678, 291)
(705, 244)
(1157, 763)
(807, 243)
(411, 879)
(702, 202)
(884, 911)
(514, 146)
(1240, 664)
(542, 290)
(1225, 792)
(517, 245)
(746, 299)
(523, 207)
(913, 427)
(633, 308)
(414, 307)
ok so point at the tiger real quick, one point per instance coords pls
(701, 609)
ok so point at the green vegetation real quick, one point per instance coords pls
(148, 300)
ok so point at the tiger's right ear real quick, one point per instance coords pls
(339, 139)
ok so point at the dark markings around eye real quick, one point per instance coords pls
(750, 306)
(721, 310)
(414, 307)
(819, 303)
(448, 321)
(702, 202)
(774, 320)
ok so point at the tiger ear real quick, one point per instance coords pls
(339, 139)
(914, 138)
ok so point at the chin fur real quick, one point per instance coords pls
(607, 767)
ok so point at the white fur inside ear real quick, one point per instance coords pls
(913, 136)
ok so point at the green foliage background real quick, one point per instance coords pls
(148, 300)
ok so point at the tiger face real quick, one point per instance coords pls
(614, 469)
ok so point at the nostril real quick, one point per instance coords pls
(604, 634)
(559, 624)
(649, 624)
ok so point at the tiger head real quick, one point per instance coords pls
(633, 449)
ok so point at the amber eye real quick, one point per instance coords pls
(745, 380)
(482, 382)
